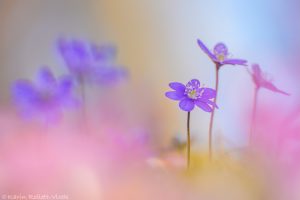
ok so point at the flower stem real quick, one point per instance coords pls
(213, 113)
(84, 109)
(82, 91)
(188, 140)
(253, 115)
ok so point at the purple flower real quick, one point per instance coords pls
(192, 94)
(90, 62)
(261, 81)
(220, 55)
(45, 97)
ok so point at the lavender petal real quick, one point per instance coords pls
(76, 56)
(175, 95)
(45, 77)
(65, 85)
(206, 50)
(221, 49)
(235, 62)
(187, 104)
(177, 86)
(24, 95)
(209, 102)
(203, 105)
(209, 93)
(109, 75)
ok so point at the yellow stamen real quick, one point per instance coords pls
(221, 57)
(192, 94)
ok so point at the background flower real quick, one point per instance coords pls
(261, 81)
(91, 62)
(45, 97)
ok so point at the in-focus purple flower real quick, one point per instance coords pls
(192, 94)
(45, 97)
(220, 55)
(90, 62)
(261, 81)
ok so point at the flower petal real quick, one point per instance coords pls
(79, 48)
(65, 85)
(235, 62)
(206, 50)
(65, 92)
(109, 75)
(193, 84)
(175, 95)
(187, 104)
(209, 93)
(221, 49)
(76, 55)
(208, 102)
(256, 70)
(23, 91)
(203, 105)
(45, 77)
(104, 53)
(270, 86)
(177, 86)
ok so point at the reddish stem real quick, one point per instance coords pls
(213, 113)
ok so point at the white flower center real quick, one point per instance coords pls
(192, 94)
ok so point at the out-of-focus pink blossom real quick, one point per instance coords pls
(261, 81)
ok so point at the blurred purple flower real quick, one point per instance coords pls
(90, 62)
(192, 94)
(220, 55)
(45, 97)
(261, 81)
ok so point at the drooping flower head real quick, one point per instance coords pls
(45, 97)
(192, 94)
(91, 62)
(261, 81)
(220, 55)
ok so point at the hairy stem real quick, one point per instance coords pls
(188, 140)
(210, 148)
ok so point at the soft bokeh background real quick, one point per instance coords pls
(157, 42)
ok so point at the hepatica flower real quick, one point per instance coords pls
(192, 94)
(45, 97)
(91, 62)
(188, 96)
(220, 55)
(261, 81)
